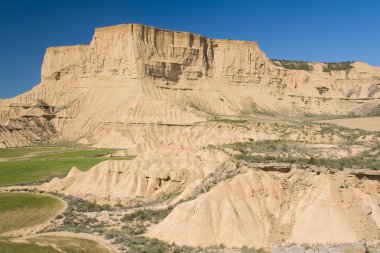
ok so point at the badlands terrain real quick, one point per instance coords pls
(149, 140)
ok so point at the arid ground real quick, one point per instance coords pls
(150, 140)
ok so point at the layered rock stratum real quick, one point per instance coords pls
(134, 80)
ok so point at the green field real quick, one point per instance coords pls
(28, 164)
(20, 210)
(52, 244)
(10, 247)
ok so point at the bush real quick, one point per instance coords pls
(154, 216)
(252, 250)
(297, 65)
(367, 159)
(231, 121)
(80, 205)
(135, 229)
(337, 66)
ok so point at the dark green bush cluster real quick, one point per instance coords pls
(148, 245)
(367, 159)
(134, 229)
(338, 66)
(350, 135)
(231, 121)
(71, 226)
(80, 205)
(364, 160)
(143, 244)
(297, 65)
(153, 216)
(264, 146)
(252, 250)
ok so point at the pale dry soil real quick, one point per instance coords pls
(367, 123)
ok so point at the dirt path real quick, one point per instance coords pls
(31, 155)
(98, 239)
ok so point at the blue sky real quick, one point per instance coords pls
(314, 30)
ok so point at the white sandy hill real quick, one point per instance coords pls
(146, 177)
(260, 209)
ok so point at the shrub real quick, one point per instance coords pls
(297, 65)
(80, 205)
(252, 250)
(135, 229)
(154, 216)
(337, 66)
(231, 121)
(367, 159)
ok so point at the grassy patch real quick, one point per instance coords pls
(12, 247)
(20, 210)
(136, 222)
(24, 151)
(29, 164)
(44, 244)
(71, 244)
(297, 65)
(231, 121)
(79, 205)
(350, 135)
(365, 160)
(337, 66)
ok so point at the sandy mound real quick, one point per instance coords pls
(261, 208)
(149, 175)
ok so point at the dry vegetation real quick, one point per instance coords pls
(21, 210)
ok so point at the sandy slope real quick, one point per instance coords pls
(146, 177)
(269, 208)
(369, 124)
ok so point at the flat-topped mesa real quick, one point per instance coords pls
(142, 51)
(165, 50)
(132, 74)
(161, 38)
(157, 37)
(138, 51)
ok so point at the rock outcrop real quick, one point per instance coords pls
(133, 76)
(261, 209)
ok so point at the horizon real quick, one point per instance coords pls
(299, 38)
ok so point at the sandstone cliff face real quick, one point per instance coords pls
(132, 74)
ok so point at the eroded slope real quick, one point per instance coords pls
(132, 75)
